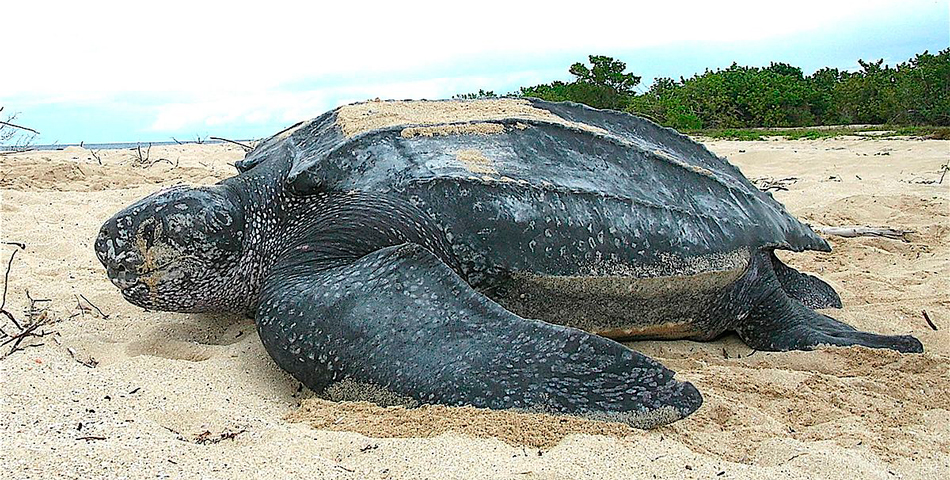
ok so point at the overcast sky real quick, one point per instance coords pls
(123, 71)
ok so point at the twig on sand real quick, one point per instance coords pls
(246, 147)
(82, 308)
(858, 231)
(142, 159)
(34, 301)
(6, 282)
(31, 329)
(93, 305)
(12, 133)
(91, 363)
(768, 183)
(173, 164)
(206, 437)
(16, 151)
(793, 457)
(929, 322)
(37, 318)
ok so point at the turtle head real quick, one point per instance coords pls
(175, 249)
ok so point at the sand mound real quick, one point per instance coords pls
(536, 430)
(78, 169)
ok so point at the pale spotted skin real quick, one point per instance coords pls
(381, 260)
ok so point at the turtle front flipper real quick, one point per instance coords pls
(400, 319)
(778, 322)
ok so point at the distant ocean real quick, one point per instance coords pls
(107, 146)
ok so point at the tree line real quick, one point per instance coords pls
(915, 92)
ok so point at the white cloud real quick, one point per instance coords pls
(289, 106)
(234, 61)
(227, 108)
(188, 46)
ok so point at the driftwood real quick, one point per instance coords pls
(16, 151)
(142, 159)
(857, 231)
(246, 147)
(768, 183)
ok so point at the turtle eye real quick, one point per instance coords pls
(219, 219)
(146, 232)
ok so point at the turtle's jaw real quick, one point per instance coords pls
(121, 278)
(141, 290)
(165, 289)
(136, 294)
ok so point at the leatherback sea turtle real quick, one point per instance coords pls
(480, 253)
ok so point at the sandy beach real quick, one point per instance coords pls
(113, 391)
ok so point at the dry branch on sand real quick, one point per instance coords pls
(246, 147)
(95, 154)
(858, 231)
(37, 318)
(24, 333)
(931, 181)
(143, 160)
(768, 183)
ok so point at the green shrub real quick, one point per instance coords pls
(916, 92)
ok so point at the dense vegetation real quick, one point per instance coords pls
(915, 92)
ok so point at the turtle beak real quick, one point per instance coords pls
(112, 248)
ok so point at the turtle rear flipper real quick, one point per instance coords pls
(811, 291)
(400, 319)
(777, 322)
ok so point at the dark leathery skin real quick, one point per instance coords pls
(380, 257)
(401, 319)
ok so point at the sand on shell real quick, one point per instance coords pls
(437, 117)
(187, 396)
